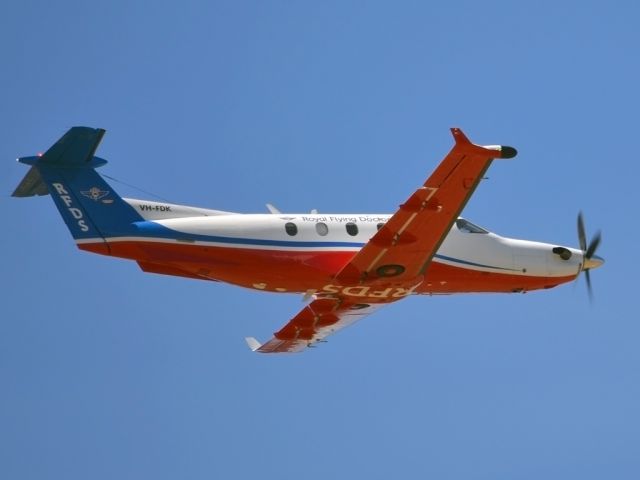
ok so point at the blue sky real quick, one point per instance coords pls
(106, 372)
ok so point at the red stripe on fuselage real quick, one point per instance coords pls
(304, 270)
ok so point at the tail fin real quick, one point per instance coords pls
(89, 206)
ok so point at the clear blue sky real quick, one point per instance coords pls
(106, 372)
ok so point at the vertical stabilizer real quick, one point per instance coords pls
(89, 206)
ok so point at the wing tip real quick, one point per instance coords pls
(253, 344)
(503, 151)
(459, 136)
(508, 152)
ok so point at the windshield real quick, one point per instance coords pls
(467, 227)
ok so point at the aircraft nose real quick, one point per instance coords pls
(594, 262)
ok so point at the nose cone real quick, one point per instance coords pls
(594, 262)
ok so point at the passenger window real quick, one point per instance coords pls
(322, 228)
(352, 229)
(291, 228)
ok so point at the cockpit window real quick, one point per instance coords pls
(467, 227)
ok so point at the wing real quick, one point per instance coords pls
(392, 264)
(400, 252)
(314, 322)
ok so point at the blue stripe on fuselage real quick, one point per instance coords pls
(472, 264)
(149, 229)
(155, 230)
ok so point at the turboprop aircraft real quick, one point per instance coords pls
(346, 266)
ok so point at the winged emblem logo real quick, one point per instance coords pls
(95, 194)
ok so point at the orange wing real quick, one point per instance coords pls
(398, 254)
(313, 323)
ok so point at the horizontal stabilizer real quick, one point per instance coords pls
(75, 148)
(31, 185)
(89, 206)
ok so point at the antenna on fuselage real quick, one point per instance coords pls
(273, 209)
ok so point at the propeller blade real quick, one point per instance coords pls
(582, 236)
(593, 246)
(589, 290)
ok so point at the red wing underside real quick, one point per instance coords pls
(313, 323)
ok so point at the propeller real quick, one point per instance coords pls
(589, 259)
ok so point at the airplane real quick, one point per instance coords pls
(347, 266)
